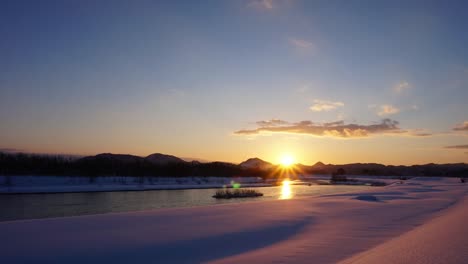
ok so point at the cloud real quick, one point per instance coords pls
(303, 47)
(333, 129)
(323, 105)
(420, 134)
(301, 43)
(388, 110)
(457, 147)
(336, 123)
(461, 127)
(271, 123)
(261, 4)
(401, 87)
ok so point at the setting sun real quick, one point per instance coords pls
(287, 160)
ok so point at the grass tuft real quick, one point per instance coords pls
(236, 193)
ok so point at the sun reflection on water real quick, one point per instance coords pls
(286, 192)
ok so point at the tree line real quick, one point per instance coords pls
(34, 164)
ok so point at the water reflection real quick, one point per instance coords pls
(286, 192)
(29, 206)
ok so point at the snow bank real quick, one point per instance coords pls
(60, 184)
(444, 239)
(325, 229)
(47, 184)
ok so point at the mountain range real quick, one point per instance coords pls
(159, 164)
(257, 164)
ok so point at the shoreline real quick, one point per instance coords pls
(59, 184)
(125, 188)
(30, 184)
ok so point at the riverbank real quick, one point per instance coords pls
(74, 184)
(78, 184)
(325, 229)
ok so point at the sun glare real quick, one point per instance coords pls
(287, 160)
(286, 192)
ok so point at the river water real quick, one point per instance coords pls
(32, 206)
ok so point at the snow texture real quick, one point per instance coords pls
(419, 221)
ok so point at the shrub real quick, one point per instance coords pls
(236, 193)
(339, 176)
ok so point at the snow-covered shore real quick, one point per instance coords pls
(64, 184)
(416, 219)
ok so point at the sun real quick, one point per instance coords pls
(287, 160)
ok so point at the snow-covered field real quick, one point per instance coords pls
(57, 184)
(420, 221)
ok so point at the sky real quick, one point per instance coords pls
(331, 81)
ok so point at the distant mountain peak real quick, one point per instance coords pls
(160, 159)
(255, 159)
(319, 164)
(256, 163)
(127, 158)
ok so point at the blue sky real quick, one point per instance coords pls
(184, 77)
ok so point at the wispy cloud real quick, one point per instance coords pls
(303, 47)
(402, 86)
(457, 147)
(417, 133)
(461, 127)
(332, 129)
(271, 123)
(324, 105)
(387, 110)
(301, 43)
(261, 4)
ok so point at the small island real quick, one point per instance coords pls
(236, 193)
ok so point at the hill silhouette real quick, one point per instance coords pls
(159, 165)
(256, 163)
